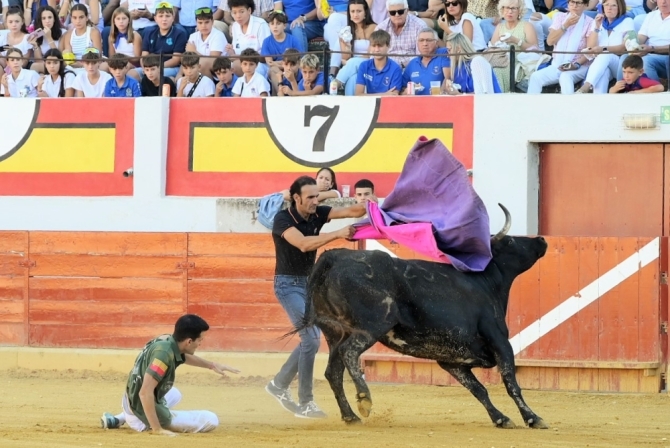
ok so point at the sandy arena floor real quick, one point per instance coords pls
(61, 409)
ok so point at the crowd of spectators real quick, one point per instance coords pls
(248, 48)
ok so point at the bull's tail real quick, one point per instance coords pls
(316, 290)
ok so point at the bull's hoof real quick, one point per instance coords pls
(364, 404)
(537, 423)
(505, 423)
(352, 420)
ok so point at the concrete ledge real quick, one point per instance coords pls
(251, 364)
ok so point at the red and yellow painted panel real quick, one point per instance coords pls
(251, 147)
(66, 147)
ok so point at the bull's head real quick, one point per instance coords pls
(517, 254)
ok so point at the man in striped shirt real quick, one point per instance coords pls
(150, 394)
(404, 27)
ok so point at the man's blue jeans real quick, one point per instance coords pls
(291, 291)
(312, 29)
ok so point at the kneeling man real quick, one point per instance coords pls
(150, 396)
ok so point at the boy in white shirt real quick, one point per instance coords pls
(193, 84)
(248, 31)
(91, 82)
(19, 82)
(251, 84)
(207, 40)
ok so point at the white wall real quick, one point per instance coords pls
(507, 129)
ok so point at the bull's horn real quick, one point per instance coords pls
(506, 227)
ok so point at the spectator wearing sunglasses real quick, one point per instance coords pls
(404, 29)
(207, 40)
(91, 82)
(458, 20)
(186, 12)
(167, 38)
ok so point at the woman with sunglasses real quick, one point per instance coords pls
(514, 32)
(82, 36)
(15, 37)
(457, 19)
(470, 73)
(606, 43)
(19, 82)
(359, 21)
(47, 22)
(58, 82)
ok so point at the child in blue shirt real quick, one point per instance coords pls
(120, 86)
(223, 69)
(379, 75)
(290, 71)
(311, 82)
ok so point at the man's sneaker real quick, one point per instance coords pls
(108, 421)
(310, 410)
(283, 396)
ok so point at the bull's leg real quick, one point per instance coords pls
(351, 351)
(335, 376)
(465, 376)
(505, 359)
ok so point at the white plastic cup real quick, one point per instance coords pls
(345, 191)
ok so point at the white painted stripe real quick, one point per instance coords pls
(374, 245)
(586, 296)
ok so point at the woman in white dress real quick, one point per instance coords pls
(606, 39)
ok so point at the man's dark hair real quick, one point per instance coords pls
(221, 63)
(296, 186)
(245, 3)
(633, 61)
(365, 183)
(250, 55)
(189, 326)
(117, 61)
(151, 60)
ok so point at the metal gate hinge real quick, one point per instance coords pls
(185, 265)
(664, 327)
(27, 264)
(664, 278)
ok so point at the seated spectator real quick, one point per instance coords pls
(379, 75)
(91, 82)
(223, 69)
(251, 84)
(634, 80)
(277, 43)
(45, 20)
(427, 68)
(516, 33)
(569, 32)
(193, 83)
(248, 31)
(143, 14)
(311, 82)
(457, 19)
(223, 19)
(361, 26)
(327, 184)
(15, 37)
(187, 10)
(91, 8)
(150, 84)
(470, 72)
(166, 38)
(19, 82)
(606, 40)
(81, 37)
(336, 20)
(31, 7)
(289, 74)
(207, 40)
(125, 41)
(404, 30)
(121, 86)
(654, 37)
(428, 11)
(58, 82)
(483, 9)
(364, 190)
(302, 15)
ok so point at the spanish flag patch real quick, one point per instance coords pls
(158, 367)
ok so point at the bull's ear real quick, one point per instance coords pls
(508, 223)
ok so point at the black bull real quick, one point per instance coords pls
(422, 309)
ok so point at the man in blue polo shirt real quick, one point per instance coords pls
(379, 74)
(426, 68)
(165, 38)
